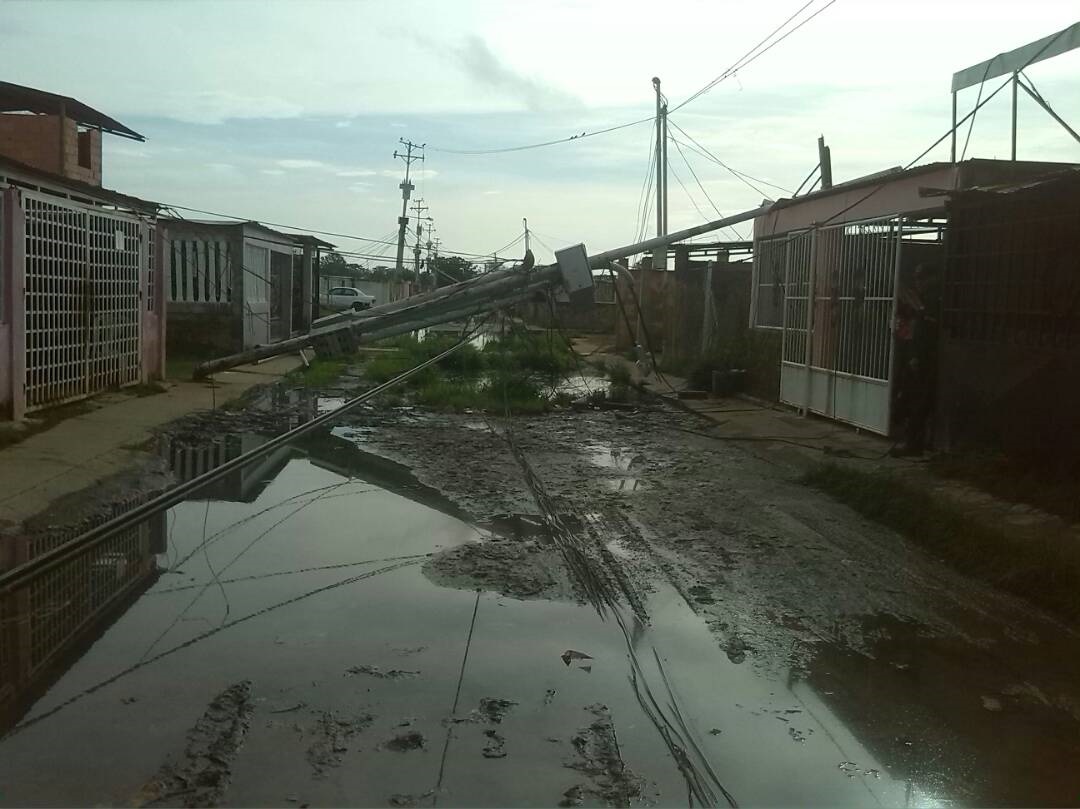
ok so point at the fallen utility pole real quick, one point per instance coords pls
(476, 295)
(20, 576)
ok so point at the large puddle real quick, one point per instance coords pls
(371, 685)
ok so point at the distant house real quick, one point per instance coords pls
(80, 308)
(231, 286)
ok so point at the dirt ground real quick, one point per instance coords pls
(775, 647)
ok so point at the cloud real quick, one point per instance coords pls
(356, 173)
(302, 164)
(271, 171)
(483, 66)
(343, 124)
(491, 192)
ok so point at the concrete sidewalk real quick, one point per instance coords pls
(84, 449)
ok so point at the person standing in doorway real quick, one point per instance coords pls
(917, 319)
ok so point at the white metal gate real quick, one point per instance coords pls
(840, 285)
(84, 269)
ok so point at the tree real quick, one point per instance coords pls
(451, 269)
(332, 263)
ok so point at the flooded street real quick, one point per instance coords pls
(580, 609)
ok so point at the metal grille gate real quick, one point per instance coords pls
(84, 269)
(840, 285)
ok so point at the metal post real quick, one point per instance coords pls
(707, 317)
(825, 160)
(1015, 82)
(810, 293)
(952, 148)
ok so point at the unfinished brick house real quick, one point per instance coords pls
(80, 311)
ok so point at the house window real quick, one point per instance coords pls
(84, 149)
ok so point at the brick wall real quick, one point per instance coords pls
(35, 140)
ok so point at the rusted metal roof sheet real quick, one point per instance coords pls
(1019, 58)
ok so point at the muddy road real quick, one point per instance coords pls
(585, 608)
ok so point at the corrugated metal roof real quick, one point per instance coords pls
(16, 98)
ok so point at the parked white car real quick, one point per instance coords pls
(348, 298)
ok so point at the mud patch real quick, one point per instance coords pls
(492, 711)
(518, 569)
(597, 755)
(332, 736)
(375, 671)
(203, 774)
(405, 742)
(496, 746)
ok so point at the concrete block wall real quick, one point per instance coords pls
(35, 140)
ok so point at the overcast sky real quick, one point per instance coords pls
(290, 112)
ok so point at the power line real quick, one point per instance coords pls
(689, 196)
(307, 230)
(522, 148)
(693, 173)
(747, 58)
(742, 176)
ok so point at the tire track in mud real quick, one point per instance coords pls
(603, 578)
(204, 771)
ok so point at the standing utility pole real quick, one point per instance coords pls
(406, 191)
(418, 209)
(525, 222)
(661, 160)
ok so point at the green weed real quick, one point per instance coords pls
(1044, 569)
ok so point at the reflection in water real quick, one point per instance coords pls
(57, 613)
(307, 567)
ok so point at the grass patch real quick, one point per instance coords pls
(510, 372)
(1052, 487)
(321, 373)
(180, 367)
(1042, 569)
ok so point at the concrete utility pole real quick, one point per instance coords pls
(406, 191)
(525, 222)
(659, 256)
(661, 162)
(418, 209)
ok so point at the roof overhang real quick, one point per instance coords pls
(893, 193)
(16, 98)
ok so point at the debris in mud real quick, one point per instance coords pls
(494, 709)
(329, 748)
(496, 748)
(403, 743)
(375, 671)
(715, 732)
(991, 703)
(522, 570)
(736, 649)
(288, 708)
(701, 594)
(598, 756)
(573, 796)
(410, 650)
(405, 799)
(205, 769)
(797, 735)
(549, 696)
(570, 654)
